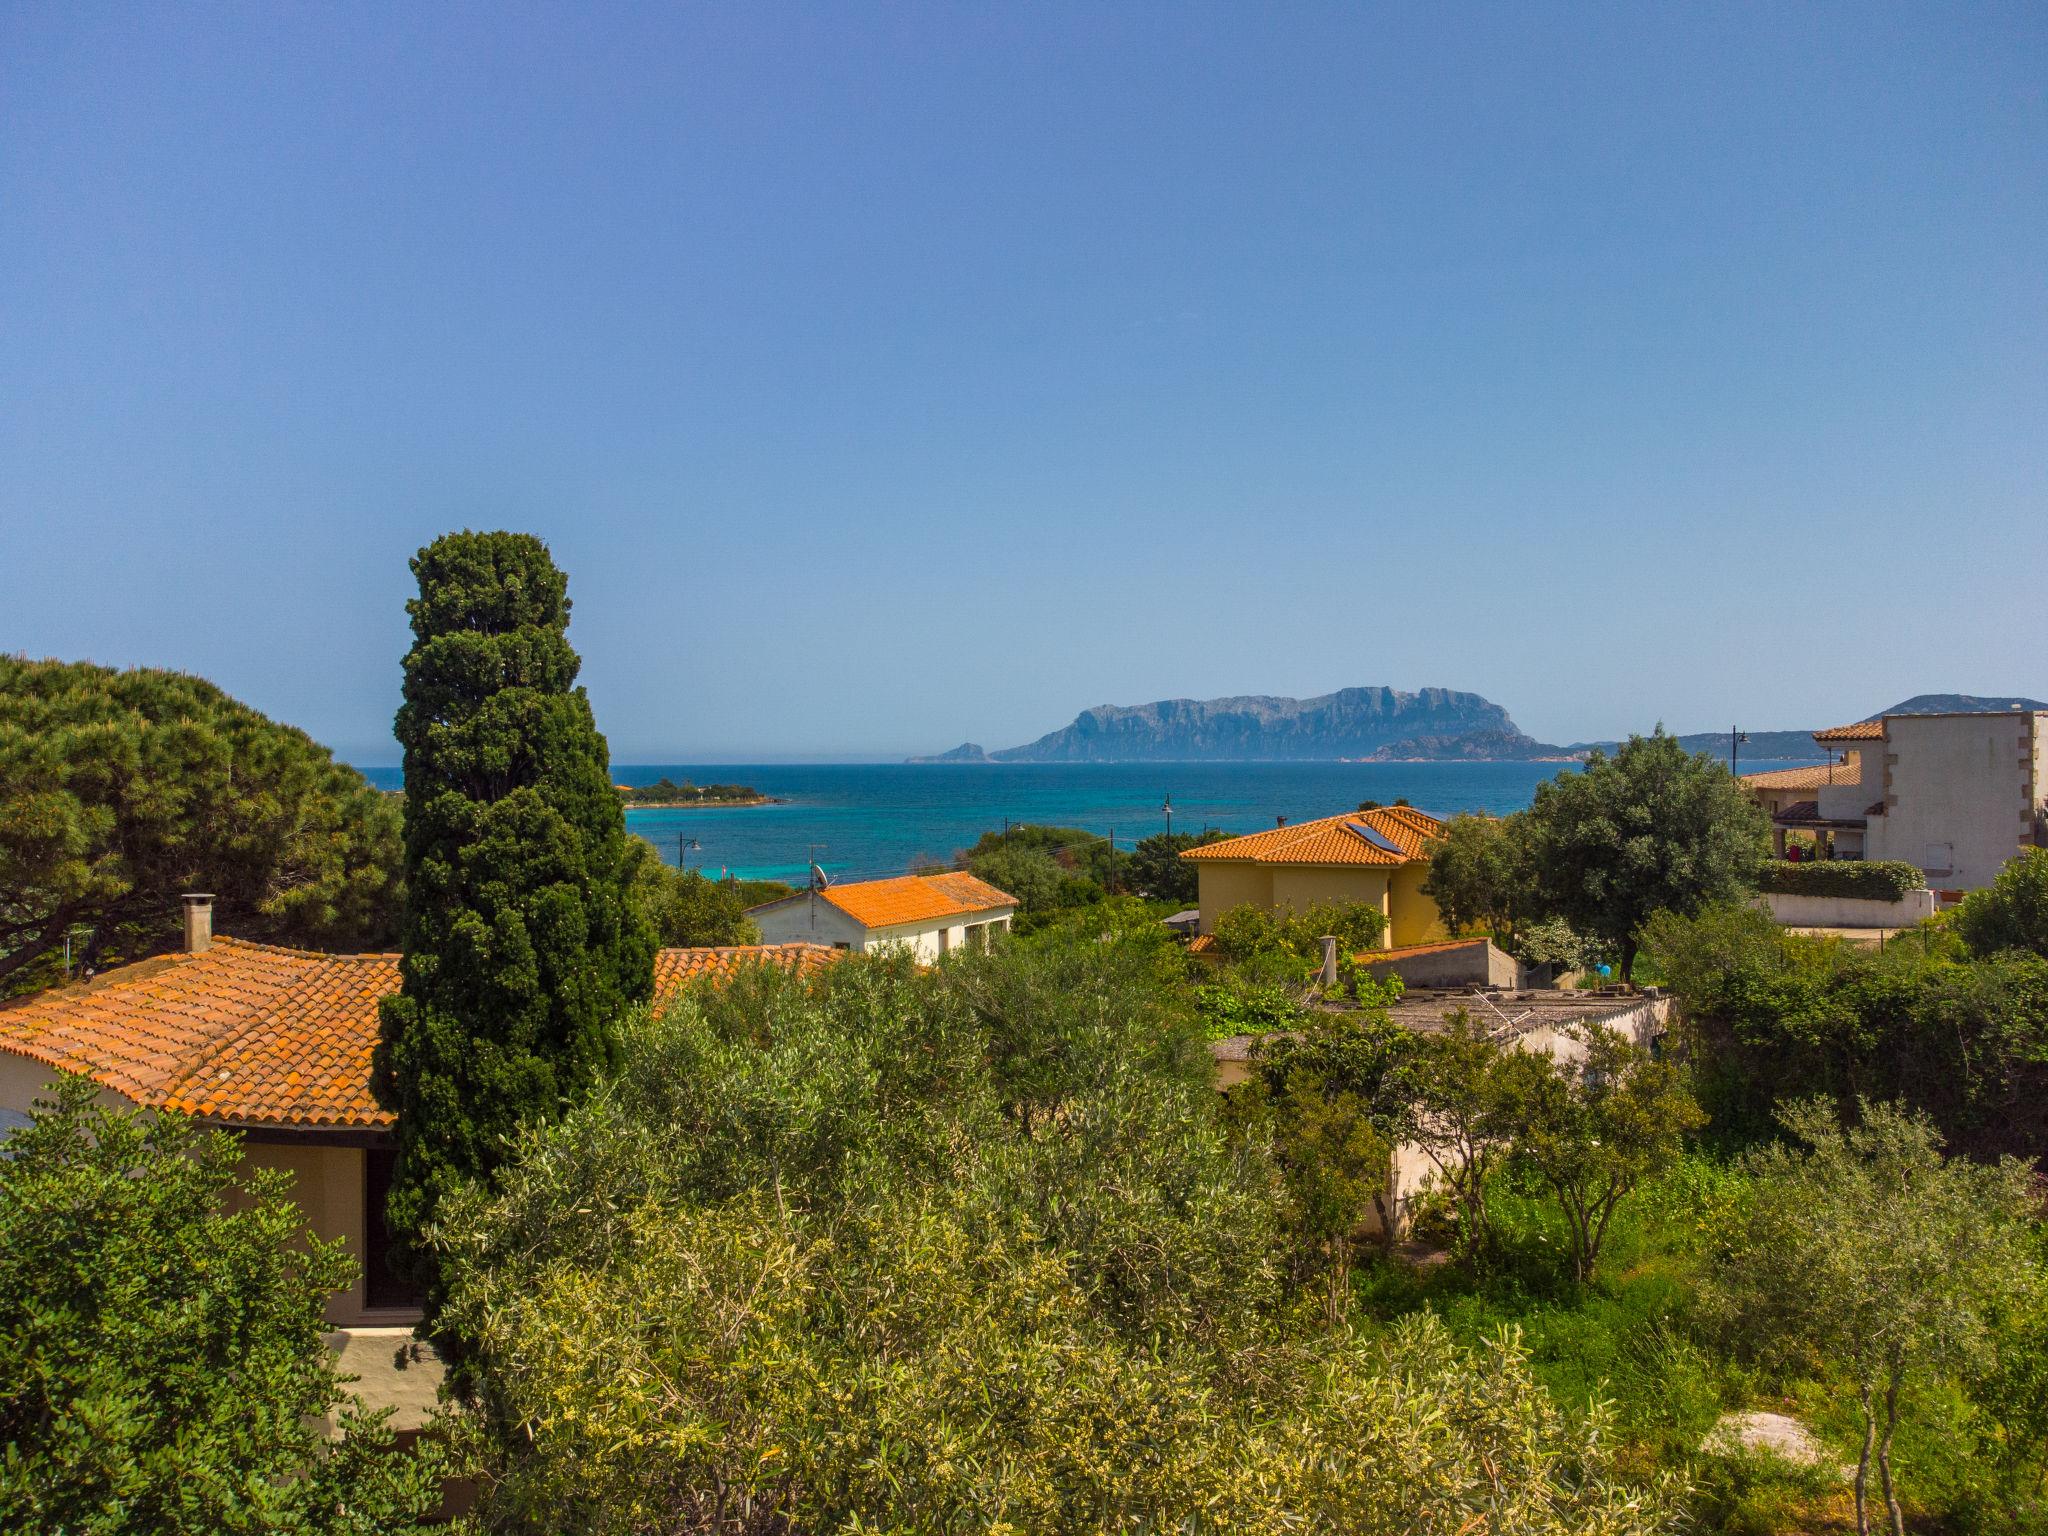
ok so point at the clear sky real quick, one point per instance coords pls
(885, 376)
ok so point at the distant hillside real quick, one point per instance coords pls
(1350, 723)
(1381, 725)
(966, 752)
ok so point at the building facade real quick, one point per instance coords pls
(928, 915)
(1957, 796)
(1376, 856)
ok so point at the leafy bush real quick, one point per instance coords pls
(684, 907)
(961, 1249)
(2012, 913)
(1248, 934)
(1769, 1014)
(1238, 1005)
(1862, 879)
(162, 1367)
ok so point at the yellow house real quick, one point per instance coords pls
(1374, 856)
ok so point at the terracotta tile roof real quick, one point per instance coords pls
(1816, 777)
(1862, 730)
(916, 899)
(1201, 943)
(1331, 840)
(257, 1035)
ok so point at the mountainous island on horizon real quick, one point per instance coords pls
(1374, 725)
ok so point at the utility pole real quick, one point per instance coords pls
(1735, 740)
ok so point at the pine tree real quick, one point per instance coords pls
(522, 947)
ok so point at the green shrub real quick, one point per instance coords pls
(162, 1367)
(962, 1249)
(1863, 879)
(2012, 913)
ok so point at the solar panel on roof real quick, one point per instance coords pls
(1377, 839)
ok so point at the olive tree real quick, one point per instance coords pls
(1866, 1251)
(1592, 1122)
(1654, 828)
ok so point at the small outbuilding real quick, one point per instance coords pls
(929, 915)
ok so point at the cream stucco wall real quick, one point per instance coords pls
(1220, 887)
(327, 1183)
(1962, 794)
(1412, 918)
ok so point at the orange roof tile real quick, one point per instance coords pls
(1331, 840)
(253, 1034)
(1862, 730)
(915, 899)
(1816, 777)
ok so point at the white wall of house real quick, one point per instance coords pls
(1847, 911)
(1851, 789)
(807, 918)
(1962, 794)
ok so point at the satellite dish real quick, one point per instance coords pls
(820, 878)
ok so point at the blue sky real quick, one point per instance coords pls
(887, 376)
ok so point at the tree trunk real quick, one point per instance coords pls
(51, 936)
(1884, 1451)
(1863, 1461)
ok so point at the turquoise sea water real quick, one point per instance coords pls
(868, 820)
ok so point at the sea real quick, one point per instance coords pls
(864, 821)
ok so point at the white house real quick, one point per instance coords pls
(929, 915)
(1957, 796)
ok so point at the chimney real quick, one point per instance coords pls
(1279, 821)
(1329, 976)
(198, 921)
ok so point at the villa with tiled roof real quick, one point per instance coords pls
(928, 915)
(1957, 794)
(1379, 856)
(275, 1045)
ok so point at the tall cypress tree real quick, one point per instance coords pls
(521, 945)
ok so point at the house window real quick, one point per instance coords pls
(1941, 858)
(382, 1287)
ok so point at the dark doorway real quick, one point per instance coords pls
(382, 1287)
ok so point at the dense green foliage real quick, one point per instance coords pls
(964, 1249)
(162, 1368)
(1654, 828)
(1864, 879)
(684, 907)
(1048, 869)
(666, 791)
(1157, 869)
(1871, 1255)
(121, 790)
(522, 943)
(2012, 912)
(1771, 1015)
(1289, 942)
(1592, 1127)
(1480, 875)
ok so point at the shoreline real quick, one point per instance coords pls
(701, 805)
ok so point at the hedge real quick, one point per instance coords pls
(1873, 880)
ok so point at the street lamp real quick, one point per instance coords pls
(1168, 808)
(1735, 740)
